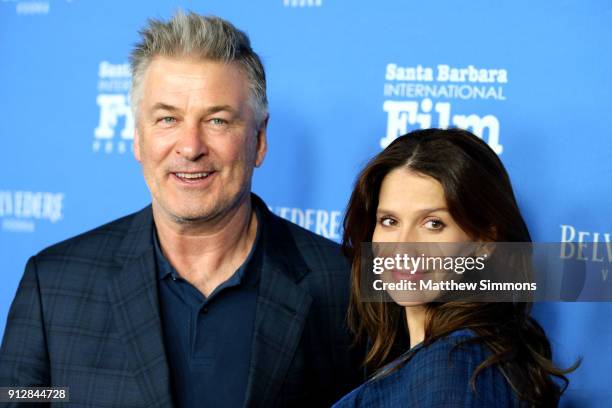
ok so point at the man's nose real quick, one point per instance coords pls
(192, 144)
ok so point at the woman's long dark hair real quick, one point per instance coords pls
(480, 199)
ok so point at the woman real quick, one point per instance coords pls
(443, 186)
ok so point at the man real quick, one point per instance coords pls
(204, 298)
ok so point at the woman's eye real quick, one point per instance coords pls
(434, 225)
(387, 222)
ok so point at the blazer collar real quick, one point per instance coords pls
(134, 299)
(138, 237)
(281, 310)
(279, 249)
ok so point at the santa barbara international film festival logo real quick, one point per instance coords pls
(423, 97)
(115, 130)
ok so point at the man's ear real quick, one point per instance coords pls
(262, 142)
(136, 144)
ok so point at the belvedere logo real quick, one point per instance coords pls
(326, 223)
(20, 209)
(586, 246)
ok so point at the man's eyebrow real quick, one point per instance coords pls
(219, 108)
(163, 106)
(210, 110)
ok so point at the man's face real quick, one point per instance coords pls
(196, 137)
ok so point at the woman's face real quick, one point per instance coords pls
(412, 209)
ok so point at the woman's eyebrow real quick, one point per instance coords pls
(420, 210)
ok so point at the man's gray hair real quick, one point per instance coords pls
(205, 37)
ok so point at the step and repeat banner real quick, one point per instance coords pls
(345, 78)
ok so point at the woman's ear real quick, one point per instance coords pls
(485, 249)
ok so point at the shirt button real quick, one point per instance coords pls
(205, 310)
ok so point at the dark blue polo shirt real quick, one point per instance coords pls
(208, 339)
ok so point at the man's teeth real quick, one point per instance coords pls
(192, 176)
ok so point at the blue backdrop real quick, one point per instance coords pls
(534, 79)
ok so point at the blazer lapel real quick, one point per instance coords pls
(281, 311)
(134, 298)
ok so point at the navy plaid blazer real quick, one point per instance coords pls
(86, 316)
(438, 376)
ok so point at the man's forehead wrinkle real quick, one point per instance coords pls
(191, 92)
(193, 83)
(196, 77)
(183, 81)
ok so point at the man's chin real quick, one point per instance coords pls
(184, 215)
(193, 216)
(194, 210)
(190, 219)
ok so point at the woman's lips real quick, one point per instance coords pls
(399, 275)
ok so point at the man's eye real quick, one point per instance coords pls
(387, 221)
(167, 120)
(218, 121)
(435, 225)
